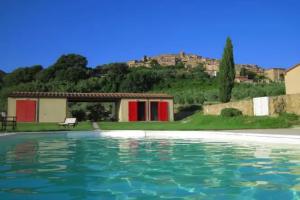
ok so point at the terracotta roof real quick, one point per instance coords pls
(93, 95)
(297, 65)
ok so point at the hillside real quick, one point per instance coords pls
(211, 66)
(70, 73)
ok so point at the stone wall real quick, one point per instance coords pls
(275, 74)
(285, 103)
(246, 106)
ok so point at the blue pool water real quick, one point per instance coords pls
(67, 166)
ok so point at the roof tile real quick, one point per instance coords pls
(90, 95)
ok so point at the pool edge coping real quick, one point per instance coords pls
(204, 135)
(211, 136)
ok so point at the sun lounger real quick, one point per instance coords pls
(69, 122)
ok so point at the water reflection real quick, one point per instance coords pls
(83, 168)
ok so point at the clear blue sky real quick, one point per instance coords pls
(264, 32)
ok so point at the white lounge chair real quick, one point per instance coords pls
(69, 122)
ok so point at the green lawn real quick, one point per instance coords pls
(197, 121)
(37, 127)
(207, 122)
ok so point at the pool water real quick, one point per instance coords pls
(68, 166)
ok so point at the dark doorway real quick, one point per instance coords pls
(141, 111)
(154, 111)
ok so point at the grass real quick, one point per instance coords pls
(199, 121)
(43, 127)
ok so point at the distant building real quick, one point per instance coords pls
(292, 80)
(275, 74)
(211, 66)
(188, 60)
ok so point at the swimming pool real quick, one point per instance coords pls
(68, 166)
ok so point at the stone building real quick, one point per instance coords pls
(189, 61)
(292, 80)
(211, 65)
(275, 74)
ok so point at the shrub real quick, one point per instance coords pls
(231, 112)
(97, 112)
(289, 116)
(79, 114)
(200, 99)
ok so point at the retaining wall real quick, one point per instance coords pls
(285, 103)
(246, 106)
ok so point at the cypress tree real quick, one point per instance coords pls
(226, 72)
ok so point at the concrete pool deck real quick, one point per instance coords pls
(282, 131)
(274, 136)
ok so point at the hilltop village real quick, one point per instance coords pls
(244, 72)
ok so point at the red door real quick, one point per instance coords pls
(163, 111)
(26, 110)
(132, 111)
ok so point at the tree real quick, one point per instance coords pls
(22, 75)
(154, 64)
(139, 80)
(70, 61)
(226, 72)
(70, 67)
(2, 74)
(97, 112)
(113, 75)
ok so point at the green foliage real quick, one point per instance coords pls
(231, 112)
(70, 61)
(226, 73)
(179, 65)
(187, 85)
(22, 75)
(290, 116)
(71, 67)
(243, 72)
(113, 75)
(251, 75)
(2, 74)
(139, 80)
(79, 114)
(154, 64)
(244, 90)
(97, 112)
(199, 121)
(46, 127)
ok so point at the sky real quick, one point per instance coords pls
(264, 32)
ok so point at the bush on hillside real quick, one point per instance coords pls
(231, 112)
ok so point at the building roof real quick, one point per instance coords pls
(297, 65)
(275, 68)
(93, 95)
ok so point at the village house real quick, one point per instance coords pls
(211, 66)
(275, 74)
(292, 80)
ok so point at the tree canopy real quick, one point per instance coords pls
(22, 75)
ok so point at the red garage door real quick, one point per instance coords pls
(26, 110)
(163, 111)
(132, 111)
